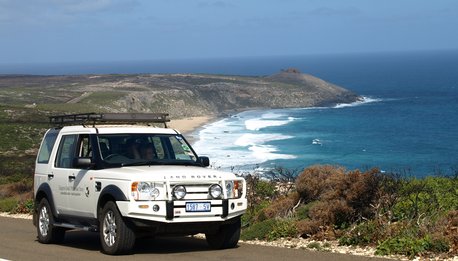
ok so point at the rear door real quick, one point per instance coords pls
(61, 172)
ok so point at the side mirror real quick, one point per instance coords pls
(82, 163)
(204, 161)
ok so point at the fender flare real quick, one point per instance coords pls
(46, 190)
(110, 191)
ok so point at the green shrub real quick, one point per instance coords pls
(7, 204)
(255, 213)
(303, 211)
(265, 189)
(283, 228)
(259, 230)
(24, 207)
(362, 235)
(411, 246)
(426, 196)
(270, 229)
(315, 245)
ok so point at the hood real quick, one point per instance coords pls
(164, 172)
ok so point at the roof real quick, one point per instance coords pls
(116, 129)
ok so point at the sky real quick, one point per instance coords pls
(53, 31)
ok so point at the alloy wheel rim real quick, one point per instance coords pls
(44, 221)
(109, 229)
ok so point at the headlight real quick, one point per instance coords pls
(155, 193)
(144, 187)
(179, 192)
(229, 188)
(215, 191)
(144, 191)
(234, 188)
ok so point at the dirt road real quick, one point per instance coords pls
(18, 242)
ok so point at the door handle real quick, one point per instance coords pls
(50, 176)
(71, 178)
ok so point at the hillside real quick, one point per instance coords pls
(181, 95)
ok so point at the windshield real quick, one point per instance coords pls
(145, 149)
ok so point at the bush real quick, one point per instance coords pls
(259, 230)
(283, 228)
(306, 228)
(270, 229)
(303, 212)
(7, 204)
(334, 213)
(342, 197)
(258, 191)
(411, 246)
(311, 183)
(282, 207)
(24, 207)
(362, 234)
(427, 196)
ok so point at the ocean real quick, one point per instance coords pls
(407, 122)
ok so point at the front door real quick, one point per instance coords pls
(81, 200)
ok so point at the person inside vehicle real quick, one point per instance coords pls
(147, 152)
(133, 149)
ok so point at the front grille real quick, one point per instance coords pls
(196, 191)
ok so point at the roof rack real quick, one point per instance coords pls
(123, 118)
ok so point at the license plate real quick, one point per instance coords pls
(198, 207)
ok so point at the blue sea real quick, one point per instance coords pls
(407, 122)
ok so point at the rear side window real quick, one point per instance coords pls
(47, 145)
(66, 151)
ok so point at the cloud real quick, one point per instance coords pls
(215, 4)
(327, 11)
(34, 12)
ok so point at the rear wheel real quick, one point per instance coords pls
(116, 236)
(227, 236)
(46, 231)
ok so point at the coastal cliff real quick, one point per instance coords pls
(181, 95)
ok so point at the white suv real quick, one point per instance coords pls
(108, 173)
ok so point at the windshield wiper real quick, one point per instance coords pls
(140, 163)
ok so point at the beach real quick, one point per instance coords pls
(188, 125)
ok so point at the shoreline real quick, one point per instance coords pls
(189, 125)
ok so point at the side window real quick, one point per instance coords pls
(156, 141)
(47, 145)
(66, 151)
(105, 146)
(181, 149)
(84, 148)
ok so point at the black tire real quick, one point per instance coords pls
(116, 236)
(46, 231)
(227, 236)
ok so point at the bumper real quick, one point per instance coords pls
(175, 211)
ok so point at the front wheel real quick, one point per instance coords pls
(46, 231)
(227, 236)
(116, 236)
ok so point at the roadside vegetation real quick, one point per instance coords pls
(393, 213)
